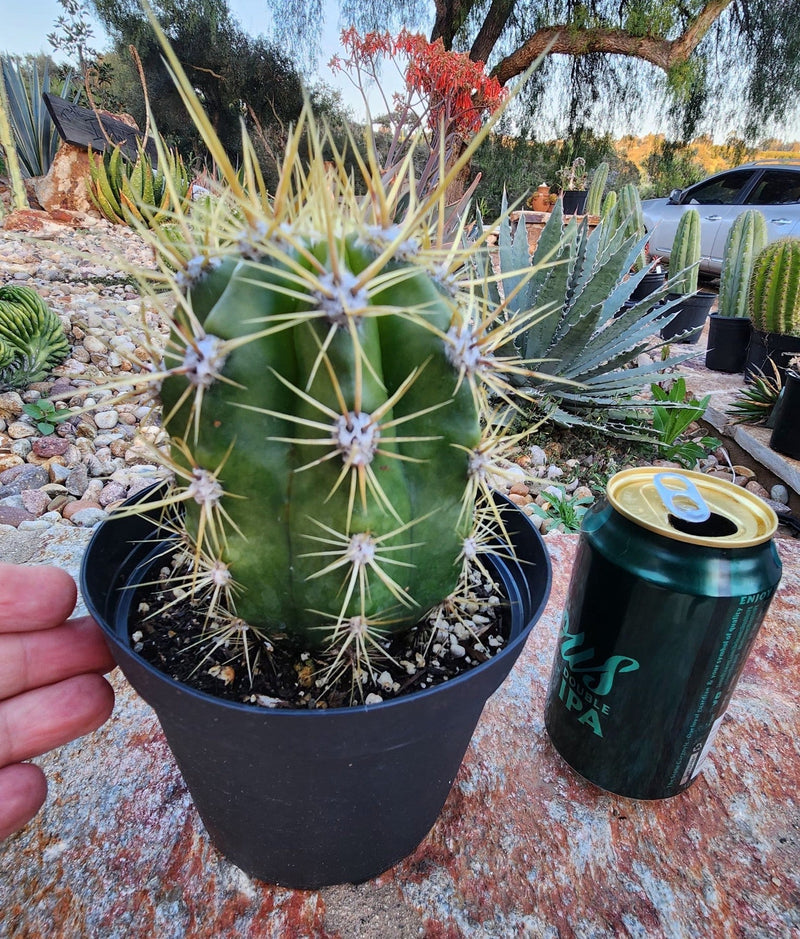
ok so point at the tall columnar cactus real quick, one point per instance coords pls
(747, 237)
(775, 288)
(323, 389)
(594, 197)
(32, 339)
(684, 259)
(629, 214)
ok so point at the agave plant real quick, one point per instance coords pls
(588, 335)
(32, 340)
(124, 190)
(325, 387)
(35, 135)
(754, 403)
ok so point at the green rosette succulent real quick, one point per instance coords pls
(32, 339)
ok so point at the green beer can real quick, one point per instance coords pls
(674, 574)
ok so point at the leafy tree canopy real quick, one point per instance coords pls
(607, 57)
(237, 76)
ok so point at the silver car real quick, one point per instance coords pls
(772, 187)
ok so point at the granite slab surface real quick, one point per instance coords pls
(524, 847)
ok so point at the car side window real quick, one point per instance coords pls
(721, 190)
(776, 187)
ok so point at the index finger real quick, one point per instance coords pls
(34, 597)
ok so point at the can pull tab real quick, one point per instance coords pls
(675, 500)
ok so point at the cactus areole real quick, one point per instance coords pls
(323, 420)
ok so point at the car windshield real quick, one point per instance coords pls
(776, 187)
(721, 190)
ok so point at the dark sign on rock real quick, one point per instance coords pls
(82, 127)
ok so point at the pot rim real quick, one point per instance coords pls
(501, 570)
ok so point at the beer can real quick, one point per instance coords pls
(673, 576)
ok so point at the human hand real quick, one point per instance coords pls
(51, 684)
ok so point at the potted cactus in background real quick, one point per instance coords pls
(774, 305)
(684, 263)
(572, 186)
(334, 395)
(729, 327)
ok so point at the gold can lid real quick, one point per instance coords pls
(692, 507)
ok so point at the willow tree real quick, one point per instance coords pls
(741, 56)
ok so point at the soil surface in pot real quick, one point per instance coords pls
(277, 673)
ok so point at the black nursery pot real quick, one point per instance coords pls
(574, 201)
(688, 317)
(650, 283)
(302, 798)
(785, 437)
(728, 340)
(769, 347)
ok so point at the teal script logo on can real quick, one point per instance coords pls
(672, 578)
(584, 680)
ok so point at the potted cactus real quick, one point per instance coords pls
(329, 388)
(572, 186)
(774, 305)
(684, 263)
(729, 327)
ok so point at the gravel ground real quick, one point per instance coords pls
(97, 458)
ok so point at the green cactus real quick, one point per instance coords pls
(123, 190)
(775, 288)
(594, 197)
(684, 259)
(747, 237)
(325, 388)
(32, 340)
(630, 216)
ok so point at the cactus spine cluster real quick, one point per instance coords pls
(775, 288)
(594, 197)
(324, 389)
(684, 258)
(747, 237)
(32, 340)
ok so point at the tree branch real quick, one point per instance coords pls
(567, 40)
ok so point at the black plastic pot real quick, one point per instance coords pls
(650, 283)
(769, 347)
(728, 340)
(785, 437)
(688, 317)
(574, 201)
(302, 798)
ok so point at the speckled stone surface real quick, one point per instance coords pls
(524, 847)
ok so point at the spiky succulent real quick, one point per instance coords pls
(576, 324)
(754, 403)
(745, 240)
(684, 258)
(32, 339)
(594, 197)
(775, 288)
(123, 190)
(325, 386)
